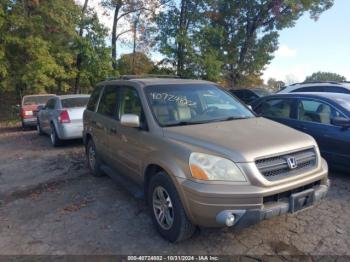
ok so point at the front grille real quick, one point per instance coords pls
(275, 168)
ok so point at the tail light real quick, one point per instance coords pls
(26, 113)
(64, 117)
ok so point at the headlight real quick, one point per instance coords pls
(208, 167)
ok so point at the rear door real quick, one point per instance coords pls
(47, 114)
(315, 119)
(103, 122)
(128, 145)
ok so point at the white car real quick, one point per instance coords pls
(331, 87)
(62, 117)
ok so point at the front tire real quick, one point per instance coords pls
(166, 209)
(93, 161)
(55, 140)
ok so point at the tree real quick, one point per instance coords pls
(176, 34)
(325, 76)
(122, 12)
(79, 56)
(93, 59)
(246, 34)
(137, 63)
(40, 45)
(275, 84)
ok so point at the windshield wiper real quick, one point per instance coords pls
(231, 118)
(186, 123)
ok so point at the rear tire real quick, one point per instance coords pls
(55, 140)
(92, 158)
(166, 209)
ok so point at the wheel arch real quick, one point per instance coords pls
(175, 174)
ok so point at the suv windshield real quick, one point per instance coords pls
(35, 100)
(193, 104)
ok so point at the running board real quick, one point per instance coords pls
(133, 188)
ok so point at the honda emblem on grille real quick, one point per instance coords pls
(292, 163)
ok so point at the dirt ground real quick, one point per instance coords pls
(49, 204)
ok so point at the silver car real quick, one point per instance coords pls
(62, 117)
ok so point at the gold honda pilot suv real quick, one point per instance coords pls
(198, 155)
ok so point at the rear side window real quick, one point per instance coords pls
(315, 111)
(108, 102)
(93, 99)
(280, 108)
(51, 104)
(336, 89)
(74, 102)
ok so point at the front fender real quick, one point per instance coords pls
(178, 170)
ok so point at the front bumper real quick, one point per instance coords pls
(205, 202)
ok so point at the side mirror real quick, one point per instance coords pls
(340, 121)
(130, 120)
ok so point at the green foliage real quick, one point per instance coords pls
(40, 43)
(325, 76)
(136, 64)
(232, 39)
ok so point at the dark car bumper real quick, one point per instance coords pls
(253, 216)
(29, 121)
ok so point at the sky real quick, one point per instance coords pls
(312, 46)
(308, 47)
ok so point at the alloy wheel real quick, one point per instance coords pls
(163, 208)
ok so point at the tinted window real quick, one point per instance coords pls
(130, 103)
(74, 102)
(241, 94)
(309, 89)
(315, 111)
(336, 89)
(93, 99)
(51, 103)
(281, 108)
(108, 101)
(191, 104)
(36, 100)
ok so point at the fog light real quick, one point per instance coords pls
(230, 220)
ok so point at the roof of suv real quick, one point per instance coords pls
(157, 81)
(321, 83)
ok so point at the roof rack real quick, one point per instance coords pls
(320, 82)
(128, 77)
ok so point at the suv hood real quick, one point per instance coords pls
(241, 140)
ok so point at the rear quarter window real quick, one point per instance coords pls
(94, 98)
